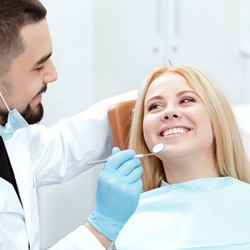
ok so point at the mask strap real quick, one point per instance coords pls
(5, 103)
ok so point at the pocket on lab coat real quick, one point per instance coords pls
(9, 202)
(13, 233)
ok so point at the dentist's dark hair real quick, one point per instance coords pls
(14, 15)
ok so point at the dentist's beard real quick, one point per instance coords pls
(33, 116)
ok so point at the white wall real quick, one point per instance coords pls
(105, 47)
(63, 208)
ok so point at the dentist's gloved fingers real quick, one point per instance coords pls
(115, 150)
(116, 160)
(137, 188)
(139, 185)
(134, 175)
(128, 166)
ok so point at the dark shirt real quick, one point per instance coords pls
(6, 171)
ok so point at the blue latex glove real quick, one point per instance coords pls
(118, 191)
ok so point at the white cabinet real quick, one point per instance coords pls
(214, 36)
(134, 37)
(128, 44)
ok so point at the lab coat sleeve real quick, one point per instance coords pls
(62, 152)
(79, 239)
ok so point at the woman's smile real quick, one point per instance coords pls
(174, 131)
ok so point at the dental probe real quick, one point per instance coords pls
(156, 149)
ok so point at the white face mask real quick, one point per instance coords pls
(14, 122)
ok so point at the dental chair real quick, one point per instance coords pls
(120, 116)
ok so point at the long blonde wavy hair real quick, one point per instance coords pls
(230, 155)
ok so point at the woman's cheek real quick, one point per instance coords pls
(148, 132)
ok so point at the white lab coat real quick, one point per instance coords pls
(41, 156)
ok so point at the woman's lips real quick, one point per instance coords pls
(173, 131)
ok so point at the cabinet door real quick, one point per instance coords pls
(128, 42)
(208, 34)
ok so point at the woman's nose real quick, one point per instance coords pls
(171, 114)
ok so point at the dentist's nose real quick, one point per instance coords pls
(51, 74)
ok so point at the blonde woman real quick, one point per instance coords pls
(196, 191)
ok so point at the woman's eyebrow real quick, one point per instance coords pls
(157, 97)
(186, 92)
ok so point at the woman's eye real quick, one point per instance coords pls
(187, 100)
(153, 106)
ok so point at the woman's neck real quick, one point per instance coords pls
(180, 169)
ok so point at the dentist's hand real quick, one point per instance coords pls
(118, 191)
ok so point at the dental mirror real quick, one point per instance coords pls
(156, 149)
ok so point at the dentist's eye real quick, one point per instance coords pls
(39, 68)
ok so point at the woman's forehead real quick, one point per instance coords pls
(168, 81)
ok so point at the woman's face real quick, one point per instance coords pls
(175, 116)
